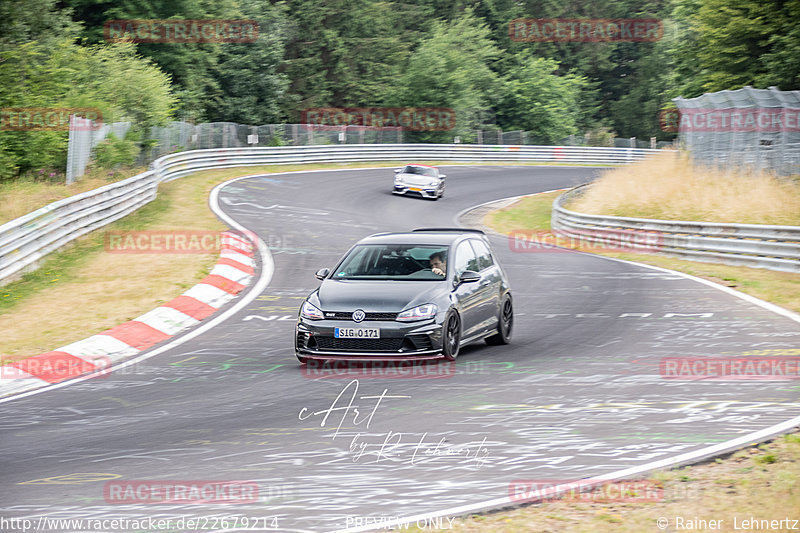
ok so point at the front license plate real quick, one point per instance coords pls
(357, 333)
(414, 189)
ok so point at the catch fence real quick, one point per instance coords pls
(755, 128)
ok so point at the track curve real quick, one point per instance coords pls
(577, 393)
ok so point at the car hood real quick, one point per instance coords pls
(375, 296)
(416, 179)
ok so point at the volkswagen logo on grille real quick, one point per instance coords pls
(358, 315)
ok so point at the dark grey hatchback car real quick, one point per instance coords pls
(416, 295)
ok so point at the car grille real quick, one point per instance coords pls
(342, 315)
(359, 345)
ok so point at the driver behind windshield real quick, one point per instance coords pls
(438, 264)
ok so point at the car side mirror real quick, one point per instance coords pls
(443, 176)
(398, 170)
(322, 273)
(468, 276)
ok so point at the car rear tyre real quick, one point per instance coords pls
(451, 336)
(505, 324)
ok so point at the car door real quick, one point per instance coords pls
(488, 287)
(468, 295)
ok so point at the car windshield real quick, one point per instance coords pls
(401, 262)
(422, 171)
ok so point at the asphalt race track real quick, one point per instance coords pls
(577, 393)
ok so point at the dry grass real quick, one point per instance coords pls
(96, 299)
(758, 482)
(670, 187)
(21, 196)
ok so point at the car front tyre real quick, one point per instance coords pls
(505, 323)
(451, 336)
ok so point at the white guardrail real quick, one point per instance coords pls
(753, 245)
(26, 240)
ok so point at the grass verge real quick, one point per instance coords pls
(759, 482)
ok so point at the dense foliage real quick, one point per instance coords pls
(351, 53)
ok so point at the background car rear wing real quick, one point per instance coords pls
(449, 230)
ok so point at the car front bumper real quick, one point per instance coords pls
(425, 192)
(314, 339)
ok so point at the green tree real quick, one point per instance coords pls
(190, 65)
(729, 44)
(23, 21)
(541, 102)
(452, 68)
(112, 78)
(251, 90)
(344, 52)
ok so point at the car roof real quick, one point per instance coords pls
(422, 236)
(418, 165)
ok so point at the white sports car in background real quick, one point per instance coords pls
(420, 180)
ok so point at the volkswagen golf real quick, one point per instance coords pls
(416, 295)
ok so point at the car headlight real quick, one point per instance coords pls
(434, 183)
(421, 312)
(311, 312)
